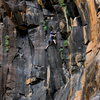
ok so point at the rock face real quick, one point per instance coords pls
(68, 70)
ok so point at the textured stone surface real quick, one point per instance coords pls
(69, 70)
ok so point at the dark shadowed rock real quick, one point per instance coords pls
(68, 70)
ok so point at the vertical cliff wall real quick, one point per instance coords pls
(68, 70)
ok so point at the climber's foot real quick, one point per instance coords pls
(45, 49)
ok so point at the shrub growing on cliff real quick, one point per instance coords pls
(7, 43)
(62, 54)
(65, 43)
(61, 2)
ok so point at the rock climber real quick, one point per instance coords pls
(52, 39)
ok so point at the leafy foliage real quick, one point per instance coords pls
(7, 43)
(65, 43)
(61, 2)
(7, 37)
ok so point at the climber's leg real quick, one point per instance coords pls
(49, 43)
(54, 41)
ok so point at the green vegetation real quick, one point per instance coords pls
(45, 25)
(45, 28)
(61, 49)
(61, 2)
(65, 43)
(7, 43)
(62, 54)
(7, 37)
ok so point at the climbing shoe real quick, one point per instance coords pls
(45, 49)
